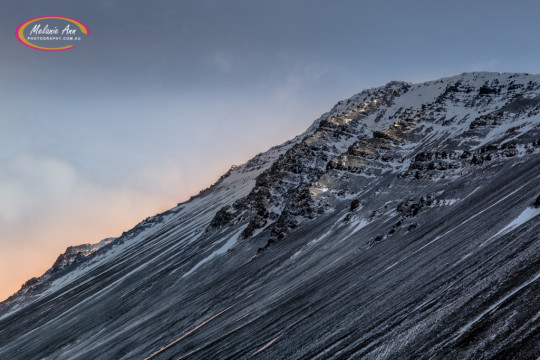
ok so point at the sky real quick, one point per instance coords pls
(164, 96)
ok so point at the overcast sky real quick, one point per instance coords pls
(164, 96)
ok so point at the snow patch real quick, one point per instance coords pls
(527, 214)
(228, 245)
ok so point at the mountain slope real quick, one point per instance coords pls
(402, 224)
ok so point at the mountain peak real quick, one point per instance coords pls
(406, 214)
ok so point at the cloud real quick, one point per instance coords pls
(46, 204)
(26, 181)
(301, 77)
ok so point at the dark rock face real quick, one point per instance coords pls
(72, 255)
(354, 204)
(403, 224)
(222, 217)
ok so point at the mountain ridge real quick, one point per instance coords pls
(390, 171)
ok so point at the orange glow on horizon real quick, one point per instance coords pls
(36, 244)
(21, 263)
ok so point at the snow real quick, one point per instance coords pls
(228, 245)
(177, 241)
(527, 214)
(358, 225)
(524, 124)
(496, 305)
(463, 258)
(437, 238)
(469, 219)
(316, 240)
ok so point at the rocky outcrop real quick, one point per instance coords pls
(403, 224)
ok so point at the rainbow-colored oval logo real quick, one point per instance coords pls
(51, 33)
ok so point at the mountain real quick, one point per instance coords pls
(403, 224)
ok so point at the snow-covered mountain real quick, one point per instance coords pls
(403, 224)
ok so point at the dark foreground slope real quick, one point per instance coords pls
(402, 225)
